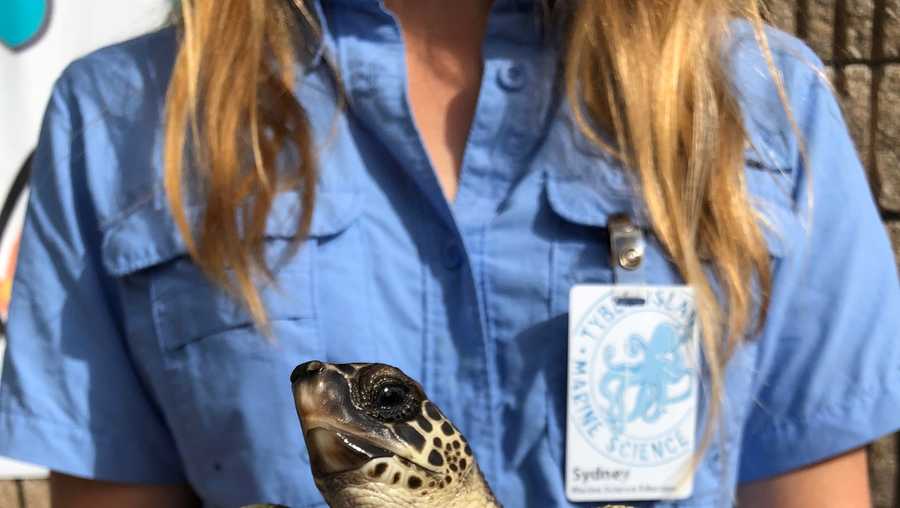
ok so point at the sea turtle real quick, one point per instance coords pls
(374, 439)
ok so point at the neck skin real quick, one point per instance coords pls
(442, 46)
(356, 492)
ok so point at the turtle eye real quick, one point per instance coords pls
(390, 396)
(392, 401)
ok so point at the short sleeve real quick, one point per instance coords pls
(70, 396)
(828, 377)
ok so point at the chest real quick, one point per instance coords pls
(476, 310)
(470, 299)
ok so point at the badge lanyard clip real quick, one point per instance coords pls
(626, 242)
(633, 381)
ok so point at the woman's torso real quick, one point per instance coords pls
(470, 298)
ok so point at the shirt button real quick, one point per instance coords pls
(453, 255)
(363, 83)
(516, 143)
(513, 77)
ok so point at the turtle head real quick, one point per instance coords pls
(371, 431)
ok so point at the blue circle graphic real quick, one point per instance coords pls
(22, 21)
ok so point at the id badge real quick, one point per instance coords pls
(633, 376)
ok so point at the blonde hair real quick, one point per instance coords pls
(654, 74)
(230, 113)
(650, 72)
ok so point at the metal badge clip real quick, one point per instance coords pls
(626, 242)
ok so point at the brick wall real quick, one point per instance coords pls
(859, 40)
(24, 494)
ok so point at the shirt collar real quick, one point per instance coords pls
(326, 43)
(379, 4)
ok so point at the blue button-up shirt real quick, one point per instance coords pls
(126, 364)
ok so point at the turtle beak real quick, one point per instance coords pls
(306, 371)
(332, 452)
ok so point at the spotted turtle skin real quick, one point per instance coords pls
(405, 451)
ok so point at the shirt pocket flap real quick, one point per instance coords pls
(771, 192)
(186, 306)
(147, 235)
(588, 189)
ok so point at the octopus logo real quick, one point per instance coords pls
(23, 22)
(658, 365)
(634, 386)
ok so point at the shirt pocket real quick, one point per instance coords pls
(187, 308)
(582, 197)
(772, 192)
(591, 189)
(222, 384)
